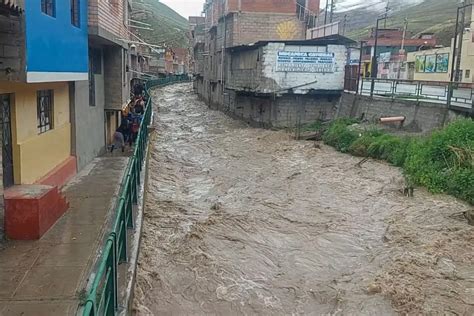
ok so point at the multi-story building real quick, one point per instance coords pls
(109, 44)
(230, 23)
(43, 59)
(253, 60)
(197, 37)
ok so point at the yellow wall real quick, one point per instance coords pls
(432, 76)
(467, 58)
(35, 155)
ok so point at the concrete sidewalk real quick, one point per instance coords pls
(46, 277)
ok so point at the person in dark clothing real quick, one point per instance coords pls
(140, 107)
(138, 90)
(119, 140)
(125, 128)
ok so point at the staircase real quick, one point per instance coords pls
(30, 210)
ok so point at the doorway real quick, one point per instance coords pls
(7, 148)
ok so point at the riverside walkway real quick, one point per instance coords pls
(48, 276)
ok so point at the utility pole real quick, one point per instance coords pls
(333, 7)
(344, 25)
(374, 57)
(387, 8)
(402, 48)
(458, 41)
(326, 13)
(462, 23)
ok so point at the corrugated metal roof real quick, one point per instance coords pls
(323, 41)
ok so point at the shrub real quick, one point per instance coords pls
(360, 147)
(444, 161)
(339, 136)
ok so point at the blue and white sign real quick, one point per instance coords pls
(305, 62)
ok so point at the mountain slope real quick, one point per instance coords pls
(437, 16)
(169, 28)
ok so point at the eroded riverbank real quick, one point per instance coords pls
(247, 221)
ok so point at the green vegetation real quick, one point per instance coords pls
(169, 27)
(443, 162)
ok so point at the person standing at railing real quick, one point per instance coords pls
(140, 107)
(134, 128)
(138, 90)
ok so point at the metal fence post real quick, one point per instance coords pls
(450, 94)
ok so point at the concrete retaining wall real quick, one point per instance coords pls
(285, 111)
(420, 116)
(291, 110)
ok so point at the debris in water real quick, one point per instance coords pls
(469, 215)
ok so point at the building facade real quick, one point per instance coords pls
(45, 52)
(44, 55)
(392, 47)
(109, 44)
(286, 83)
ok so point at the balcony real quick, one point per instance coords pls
(107, 20)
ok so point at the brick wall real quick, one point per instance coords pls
(253, 27)
(276, 6)
(12, 48)
(109, 15)
(115, 85)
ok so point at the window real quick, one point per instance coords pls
(45, 109)
(48, 7)
(75, 13)
(468, 73)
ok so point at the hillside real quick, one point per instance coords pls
(437, 16)
(169, 27)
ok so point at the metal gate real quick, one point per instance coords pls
(7, 148)
(351, 77)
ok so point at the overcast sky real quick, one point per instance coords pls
(186, 8)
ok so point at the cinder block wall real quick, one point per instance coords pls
(285, 111)
(12, 48)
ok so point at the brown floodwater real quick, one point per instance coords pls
(245, 221)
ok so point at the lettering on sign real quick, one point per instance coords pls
(305, 62)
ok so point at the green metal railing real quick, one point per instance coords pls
(102, 298)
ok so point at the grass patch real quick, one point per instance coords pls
(443, 162)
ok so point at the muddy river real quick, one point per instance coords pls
(244, 221)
